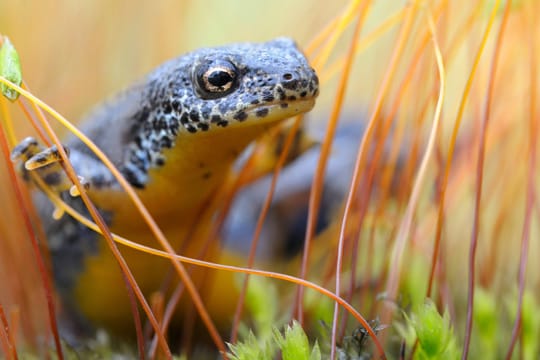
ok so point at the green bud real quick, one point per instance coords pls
(10, 69)
(433, 330)
(295, 345)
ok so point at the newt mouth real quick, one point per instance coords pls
(276, 111)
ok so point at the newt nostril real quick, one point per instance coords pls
(290, 80)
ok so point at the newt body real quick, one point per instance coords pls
(174, 136)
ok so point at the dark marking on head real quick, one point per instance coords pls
(268, 97)
(194, 115)
(184, 119)
(262, 112)
(177, 105)
(240, 116)
(166, 143)
(203, 126)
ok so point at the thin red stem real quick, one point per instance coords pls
(479, 182)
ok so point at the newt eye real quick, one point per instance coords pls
(215, 79)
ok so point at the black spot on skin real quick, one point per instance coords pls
(184, 119)
(292, 98)
(194, 116)
(203, 126)
(132, 178)
(160, 161)
(207, 175)
(262, 112)
(271, 81)
(165, 142)
(177, 105)
(291, 84)
(223, 123)
(215, 118)
(191, 129)
(303, 94)
(167, 108)
(284, 105)
(240, 116)
(268, 97)
(254, 102)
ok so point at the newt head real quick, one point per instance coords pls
(235, 92)
(237, 84)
